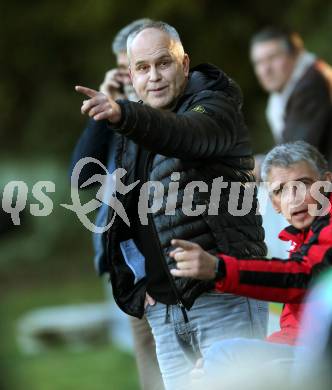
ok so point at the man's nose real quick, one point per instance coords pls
(265, 71)
(264, 67)
(296, 194)
(290, 193)
(154, 74)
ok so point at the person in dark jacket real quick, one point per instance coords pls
(300, 188)
(188, 134)
(300, 87)
(117, 84)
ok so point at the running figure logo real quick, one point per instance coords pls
(110, 185)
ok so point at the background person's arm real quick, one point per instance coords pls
(94, 142)
(278, 280)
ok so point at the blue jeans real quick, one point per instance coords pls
(233, 357)
(214, 316)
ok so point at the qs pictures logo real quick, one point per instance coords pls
(110, 185)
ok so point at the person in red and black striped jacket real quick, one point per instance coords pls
(300, 188)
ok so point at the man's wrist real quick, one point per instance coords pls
(220, 270)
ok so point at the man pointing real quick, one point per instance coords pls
(187, 128)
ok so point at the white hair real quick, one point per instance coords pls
(291, 153)
(162, 26)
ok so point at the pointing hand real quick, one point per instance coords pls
(99, 106)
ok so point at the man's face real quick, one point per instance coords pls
(123, 76)
(272, 64)
(123, 71)
(291, 200)
(158, 69)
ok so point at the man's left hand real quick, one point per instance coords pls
(99, 106)
(192, 261)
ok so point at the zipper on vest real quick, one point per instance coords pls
(163, 261)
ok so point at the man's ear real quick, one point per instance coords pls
(186, 64)
(130, 74)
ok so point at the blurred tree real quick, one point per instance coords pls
(49, 46)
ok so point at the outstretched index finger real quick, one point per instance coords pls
(86, 91)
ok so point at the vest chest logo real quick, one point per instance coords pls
(199, 109)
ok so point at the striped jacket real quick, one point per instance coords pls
(283, 280)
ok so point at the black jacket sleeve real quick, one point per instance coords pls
(211, 127)
(94, 142)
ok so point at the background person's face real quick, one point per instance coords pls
(293, 202)
(124, 76)
(158, 69)
(123, 65)
(272, 64)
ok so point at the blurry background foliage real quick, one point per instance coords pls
(46, 48)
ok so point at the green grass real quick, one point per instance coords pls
(98, 368)
(275, 307)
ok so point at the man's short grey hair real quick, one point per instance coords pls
(119, 43)
(162, 26)
(285, 155)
